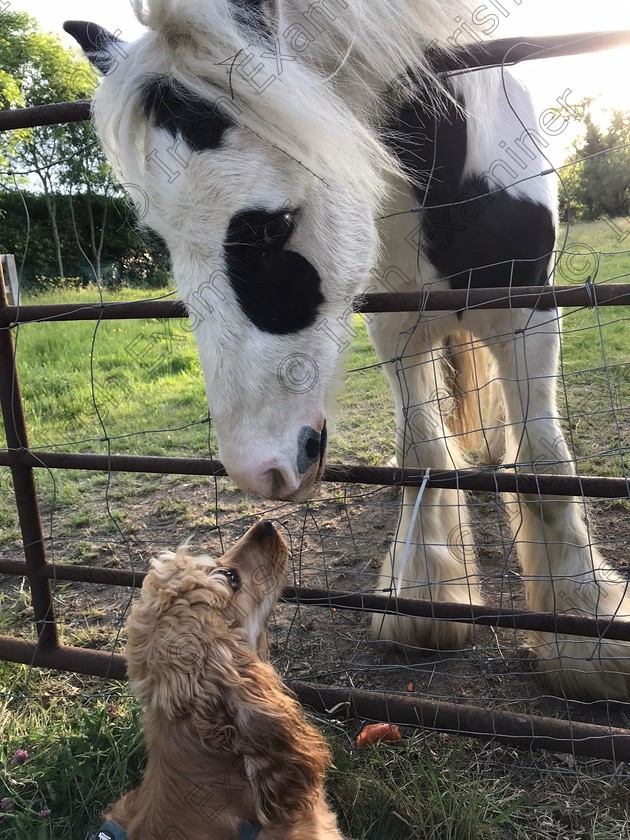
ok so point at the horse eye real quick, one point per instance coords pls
(233, 578)
(278, 229)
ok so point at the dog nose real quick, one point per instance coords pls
(263, 529)
(268, 528)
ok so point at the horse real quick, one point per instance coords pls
(293, 154)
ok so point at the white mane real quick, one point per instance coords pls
(337, 58)
(362, 45)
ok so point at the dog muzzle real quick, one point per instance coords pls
(112, 831)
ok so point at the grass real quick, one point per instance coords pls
(148, 394)
(595, 391)
(84, 748)
(148, 398)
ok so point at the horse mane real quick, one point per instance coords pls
(358, 42)
(323, 110)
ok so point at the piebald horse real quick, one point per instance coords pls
(278, 147)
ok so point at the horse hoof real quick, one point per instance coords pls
(583, 669)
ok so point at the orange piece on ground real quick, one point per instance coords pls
(374, 733)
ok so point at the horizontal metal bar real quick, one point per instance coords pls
(523, 730)
(76, 573)
(57, 113)
(455, 300)
(509, 51)
(128, 310)
(514, 297)
(94, 663)
(513, 619)
(502, 51)
(492, 480)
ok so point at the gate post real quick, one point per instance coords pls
(25, 490)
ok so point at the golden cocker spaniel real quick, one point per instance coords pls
(230, 754)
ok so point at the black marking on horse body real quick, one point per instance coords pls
(199, 122)
(278, 289)
(505, 240)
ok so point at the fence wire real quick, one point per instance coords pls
(135, 387)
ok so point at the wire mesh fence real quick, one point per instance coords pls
(111, 459)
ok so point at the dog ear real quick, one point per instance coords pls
(285, 758)
(172, 630)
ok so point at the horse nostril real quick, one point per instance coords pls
(309, 448)
(277, 483)
(312, 448)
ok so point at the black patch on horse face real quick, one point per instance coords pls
(278, 289)
(486, 234)
(199, 122)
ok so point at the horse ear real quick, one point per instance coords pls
(101, 47)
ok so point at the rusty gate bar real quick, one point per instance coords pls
(477, 56)
(495, 480)
(513, 619)
(523, 730)
(25, 491)
(504, 52)
(450, 300)
(57, 113)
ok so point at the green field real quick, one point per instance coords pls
(136, 387)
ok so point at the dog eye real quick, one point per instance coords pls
(233, 578)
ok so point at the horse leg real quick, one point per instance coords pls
(563, 571)
(428, 557)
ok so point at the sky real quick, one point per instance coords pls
(604, 75)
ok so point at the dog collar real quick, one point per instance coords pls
(112, 831)
(249, 830)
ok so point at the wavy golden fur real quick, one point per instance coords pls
(226, 740)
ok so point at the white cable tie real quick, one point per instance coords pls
(414, 516)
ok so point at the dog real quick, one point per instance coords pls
(230, 754)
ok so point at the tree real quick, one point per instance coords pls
(598, 181)
(36, 69)
(128, 255)
(89, 180)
